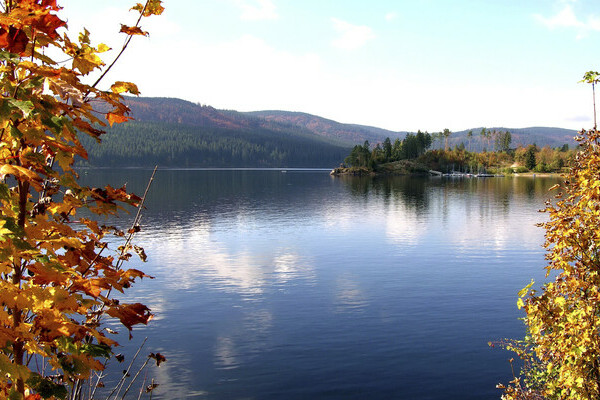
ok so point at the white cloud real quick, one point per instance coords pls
(351, 36)
(391, 16)
(253, 72)
(245, 74)
(566, 18)
(256, 10)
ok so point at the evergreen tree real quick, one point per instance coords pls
(397, 150)
(446, 133)
(530, 161)
(387, 149)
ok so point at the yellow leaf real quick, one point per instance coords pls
(87, 63)
(524, 291)
(19, 172)
(3, 230)
(120, 87)
(153, 7)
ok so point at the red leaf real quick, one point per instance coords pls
(130, 314)
(50, 4)
(48, 23)
(14, 40)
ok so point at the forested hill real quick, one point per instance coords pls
(184, 112)
(178, 133)
(177, 111)
(325, 127)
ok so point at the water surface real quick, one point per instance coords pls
(297, 285)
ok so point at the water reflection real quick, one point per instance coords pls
(392, 189)
(240, 344)
(471, 211)
(288, 267)
(403, 226)
(201, 196)
(225, 354)
(267, 281)
(349, 298)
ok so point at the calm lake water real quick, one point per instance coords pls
(297, 285)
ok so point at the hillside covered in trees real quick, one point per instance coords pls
(169, 144)
(178, 133)
(348, 133)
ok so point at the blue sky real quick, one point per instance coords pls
(399, 65)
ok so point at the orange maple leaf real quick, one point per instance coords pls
(48, 23)
(133, 30)
(116, 118)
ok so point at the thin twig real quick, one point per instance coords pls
(594, 101)
(153, 387)
(136, 220)
(135, 377)
(121, 52)
(143, 385)
(100, 376)
(122, 380)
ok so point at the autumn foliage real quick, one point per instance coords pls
(561, 351)
(57, 271)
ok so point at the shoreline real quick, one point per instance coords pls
(364, 172)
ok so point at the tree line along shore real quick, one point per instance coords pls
(414, 155)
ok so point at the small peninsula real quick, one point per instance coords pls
(413, 156)
(402, 167)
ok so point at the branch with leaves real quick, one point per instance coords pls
(562, 318)
(55, 280)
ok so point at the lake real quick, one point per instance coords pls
(297, 285)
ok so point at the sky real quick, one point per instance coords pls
(401, 65)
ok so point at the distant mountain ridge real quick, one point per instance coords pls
(175, 132)
(177, 111)
(350, 133)
(172, 110)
